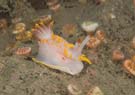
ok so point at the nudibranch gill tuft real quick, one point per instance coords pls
(57, 53)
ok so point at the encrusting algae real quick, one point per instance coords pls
(55, 52)
(21, 33)
(129, 65)
(23, 51)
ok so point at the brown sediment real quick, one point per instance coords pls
(24, 77)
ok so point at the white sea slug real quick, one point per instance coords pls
(57, 53)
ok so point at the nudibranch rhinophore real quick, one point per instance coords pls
(57, 53)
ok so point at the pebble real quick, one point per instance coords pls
(74, 90)
(95, 91)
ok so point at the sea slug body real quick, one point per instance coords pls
(57, 53)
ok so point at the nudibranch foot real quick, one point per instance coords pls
(70, 68)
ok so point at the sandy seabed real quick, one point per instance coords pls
(19, 76)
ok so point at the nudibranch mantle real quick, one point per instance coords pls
(57, 53)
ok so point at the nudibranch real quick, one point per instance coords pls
(55, 52)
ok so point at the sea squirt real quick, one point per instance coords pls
(57, 53)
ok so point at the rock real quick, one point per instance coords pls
(73, 90)
(95, 91)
